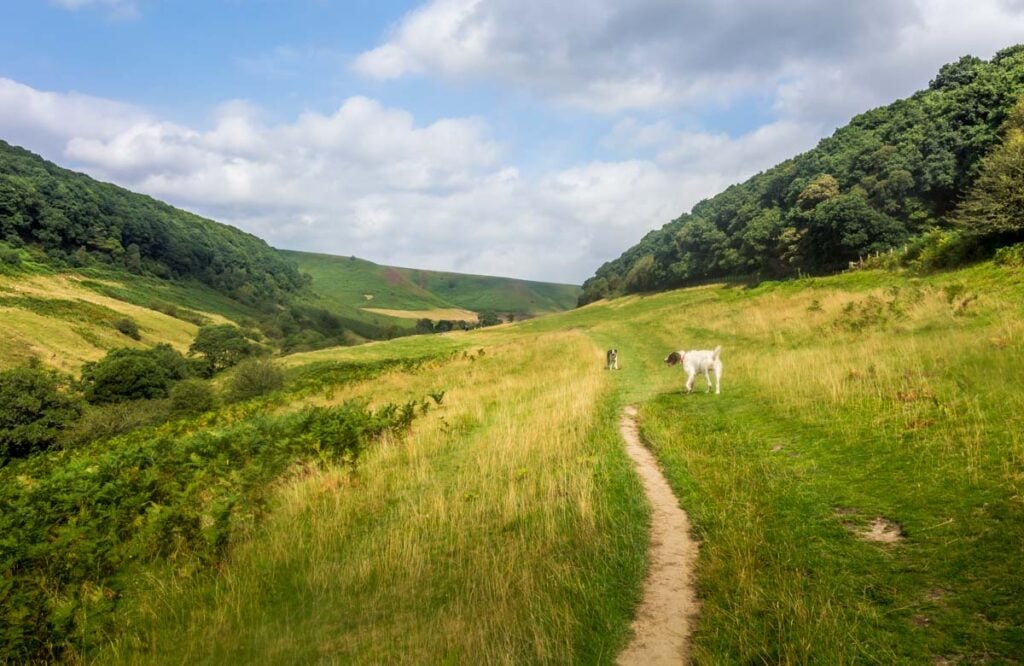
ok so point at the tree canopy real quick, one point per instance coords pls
(78, 221)
(133, 374)
(34, 410)
(890, 175)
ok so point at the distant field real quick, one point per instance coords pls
(451, 314)
(355, 285)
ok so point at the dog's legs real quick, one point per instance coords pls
(718, 378)
(707, 380)
(689, 381)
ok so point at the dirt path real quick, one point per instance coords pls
(664, 621)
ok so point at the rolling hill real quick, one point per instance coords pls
(353, 285)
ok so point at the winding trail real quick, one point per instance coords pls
(665, 618)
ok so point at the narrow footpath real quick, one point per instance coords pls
(668, 610)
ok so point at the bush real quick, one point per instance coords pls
(192, 396)
(133, 374)
(253, 378)
(127, 326)
(34, 410)
(110, 420)
(1012, 256)
(940, 249)
(10, 256)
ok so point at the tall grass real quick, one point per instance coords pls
(506, 529)
(507, 526)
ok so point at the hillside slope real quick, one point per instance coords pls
(79, 222)
(353, 284)
(889, 176)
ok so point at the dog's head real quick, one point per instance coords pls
(613, 353)
(674, 358)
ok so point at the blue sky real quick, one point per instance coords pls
(512, 137)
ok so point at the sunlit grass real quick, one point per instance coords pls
(506, 529)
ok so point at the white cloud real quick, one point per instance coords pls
(365, 179)
(373, 180)
(609, 55)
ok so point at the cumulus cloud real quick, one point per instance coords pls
(609, 55)
(823, 61)
(373, 180)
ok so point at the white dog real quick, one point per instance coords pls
(612, 358)
(699, 361)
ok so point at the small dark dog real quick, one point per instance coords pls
(612, 359)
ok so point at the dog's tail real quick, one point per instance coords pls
(716, 352)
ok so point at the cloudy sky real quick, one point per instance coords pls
(528, 138)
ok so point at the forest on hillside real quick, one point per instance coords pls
(936, 174)
(78, 222)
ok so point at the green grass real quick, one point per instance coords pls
(845, 399)
(508, 526)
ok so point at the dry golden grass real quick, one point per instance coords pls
(451, 314)
(64, 342)
(486, 536)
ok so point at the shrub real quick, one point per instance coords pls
(940, 249)
(34, 410)
(10, 256)
(110, 420)
(253, 378)
(128, 327)
(133, 374)
(1012, 256)
(192, 396)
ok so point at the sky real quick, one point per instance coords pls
(524, 138)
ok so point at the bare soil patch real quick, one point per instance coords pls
(883, 530)
(668, 610)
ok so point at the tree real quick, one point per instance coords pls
(489, 319)
(994, 208)
(191, 396)
(35, 408)
(222, 345)
(254, 377)
(823, 188)
(843, 228)
(133, 374)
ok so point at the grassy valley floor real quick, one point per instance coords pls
(508, 527)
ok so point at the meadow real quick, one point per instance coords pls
(856, 489)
